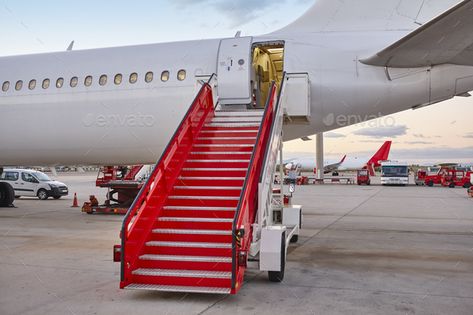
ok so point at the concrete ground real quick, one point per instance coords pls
(364, 250)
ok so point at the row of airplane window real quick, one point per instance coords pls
(88, 80)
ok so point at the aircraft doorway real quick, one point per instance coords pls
(268, 66)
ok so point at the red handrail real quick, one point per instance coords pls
(247, 207)
(148, 204)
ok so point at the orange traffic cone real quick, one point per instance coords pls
(75, 203)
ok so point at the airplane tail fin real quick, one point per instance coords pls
(381, 155)
(343, 160)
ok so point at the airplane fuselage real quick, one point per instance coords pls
(131, 122)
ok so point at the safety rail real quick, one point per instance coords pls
(247, 206)
(148, 205)
(266, 179)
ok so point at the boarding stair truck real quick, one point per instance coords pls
(208, 211)
(394, 173)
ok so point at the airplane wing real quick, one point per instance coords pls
(446, 39)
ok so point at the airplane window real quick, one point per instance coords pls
(60, 83)
(18, 85)
(181, 75)
(165, 76)
(88, 80)
(32, 84)
(133, 78)
(5, 86)
(46, 83)
(103, 80)
(74, 81)
(118, 79)
(149, 77)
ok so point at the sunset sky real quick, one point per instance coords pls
(442, 132)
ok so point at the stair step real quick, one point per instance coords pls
(224, 145)
(237, 119)
(232, 125)
(199, 208)
(183, 273)
(218, 161)
(210, 259)
(211, 178)
(229, 131)
(196, 220)
(203, 198)
(224, 113)
(207, 188)
(173, 288)
(215, 169)
(225, 138)
(192, 232)
(189, 244)
(220, 153)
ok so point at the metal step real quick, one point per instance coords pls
(225, 138)
(237, 119)
(218, 161)
(207, 188)
(228, 131)
(189, 244)
(214, 169)
(224, 145)
(220, 153)
(172, 288)
(224, 113)
(187, 258)
(183, 273)
(199, 208)
(230, 125)
(195, 220)
(192, 232)
(211, 178)
(203, 198)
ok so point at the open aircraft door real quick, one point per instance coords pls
(234, 71)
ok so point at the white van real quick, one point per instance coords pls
(30, 183)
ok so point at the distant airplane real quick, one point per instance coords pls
(309, 164)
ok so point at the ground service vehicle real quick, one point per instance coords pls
(394, 173)
(363, 177)
(455, 178)
(31, 183)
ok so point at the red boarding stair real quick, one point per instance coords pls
(189, 229)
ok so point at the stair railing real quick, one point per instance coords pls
(247, 206)
(149, 203)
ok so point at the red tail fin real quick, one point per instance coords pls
(343, 160)
(381, 155)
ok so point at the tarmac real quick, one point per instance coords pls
(363, 250)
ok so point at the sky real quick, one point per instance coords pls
(439, 133)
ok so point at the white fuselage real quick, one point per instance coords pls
(132, 123)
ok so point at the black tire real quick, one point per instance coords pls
(42, 194)
(7, 195)
(467, 185)
(452, 185)
(278, 276)
(430, 184)
(368, 183)
(57, 197)
(17, 197)
(294, 239)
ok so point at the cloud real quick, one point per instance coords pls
(440, 153)
(334, 135)
(418, 142)
(468, 135)
(238, 12)
(382, 132)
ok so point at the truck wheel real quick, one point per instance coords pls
(7, 195)
(294, 239)
(42, 194)
(278, 276)
(430, 184)
(467, 185)
(452, 185)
